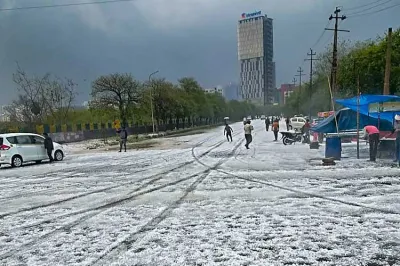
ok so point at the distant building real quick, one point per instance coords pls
(4, 115)
(218, 89)
(284, 92)
(255, 55)
(231, 91)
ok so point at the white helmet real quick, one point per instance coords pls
(397, 118)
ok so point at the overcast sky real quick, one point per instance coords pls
(177, 37)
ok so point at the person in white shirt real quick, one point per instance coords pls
(247, 133)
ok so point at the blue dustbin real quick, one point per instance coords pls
(333, 148)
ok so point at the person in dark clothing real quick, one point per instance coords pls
(287, 123)
(267, 123)
(228, 132)
(275, 129)
(49, 146)
(123, 138)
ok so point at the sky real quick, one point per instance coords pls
(179, 38)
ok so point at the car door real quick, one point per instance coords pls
(293, 123)
(26, 148)
(38, 141)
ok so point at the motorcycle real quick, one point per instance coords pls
(288, 138)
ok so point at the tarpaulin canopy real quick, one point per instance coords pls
(384, 107)
(347, 121)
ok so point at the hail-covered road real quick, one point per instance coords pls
(203, 202)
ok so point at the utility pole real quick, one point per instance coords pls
(151, 99)
(335, 43)
(388, 68)
(311, 54)
(300, 71)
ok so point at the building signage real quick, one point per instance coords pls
(251, 15)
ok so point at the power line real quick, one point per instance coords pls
(374, 12)
(372, 7)
(357, 7)
(64, 5)
(322, 35)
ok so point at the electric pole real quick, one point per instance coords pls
(311, 54)
(388, 67)
(336, 17)
(300, 71)
(294, 82)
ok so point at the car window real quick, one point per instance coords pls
(12, 140)
(302, 120)
(24, 140)
(37, 140)
(294, 119)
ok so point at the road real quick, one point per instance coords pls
(204, 202)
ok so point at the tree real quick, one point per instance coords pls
(42, 99)
(116, 91)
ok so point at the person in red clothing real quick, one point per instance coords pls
(372, 132)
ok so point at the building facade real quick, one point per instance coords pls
(255, 55)
(217, 89)
(285, 90)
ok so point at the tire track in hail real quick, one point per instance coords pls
(93, 211)
(129, 240)
(153, 178)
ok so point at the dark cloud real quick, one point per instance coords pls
(83, 43)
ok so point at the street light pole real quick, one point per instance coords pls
(151, 99)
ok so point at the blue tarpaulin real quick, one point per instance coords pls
(347, 121)
(365, 102)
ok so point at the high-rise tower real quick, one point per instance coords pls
(256, 54)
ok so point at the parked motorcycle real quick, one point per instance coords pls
(288, 138)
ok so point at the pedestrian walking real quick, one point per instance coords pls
(267, 123)
(123, 134)
(275, 129)
(228, 132)
(372, 133)
(306, 131)
(49, 146)
(396, 129)
(287, 123)
(248, 128)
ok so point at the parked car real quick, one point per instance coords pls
(19, 148)
(297, 123)
(263, 117)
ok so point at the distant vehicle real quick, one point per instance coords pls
(19, 148)
(297, 123)
(249, 117)
(263, 117)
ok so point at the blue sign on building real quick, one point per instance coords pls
(251, 15)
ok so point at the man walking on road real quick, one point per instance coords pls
(228, 132)
(287, 123)
(123, 138)
(247, 133)
(275, 129)
(372, 133)
(267, 123)
(49, 146)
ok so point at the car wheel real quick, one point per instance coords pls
(17, 161)
(58, 155)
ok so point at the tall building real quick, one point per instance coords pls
(255, 54)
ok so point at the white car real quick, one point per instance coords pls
(263, 117)
(297, 123)
(19, 148)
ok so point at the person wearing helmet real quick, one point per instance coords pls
(396, 129)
